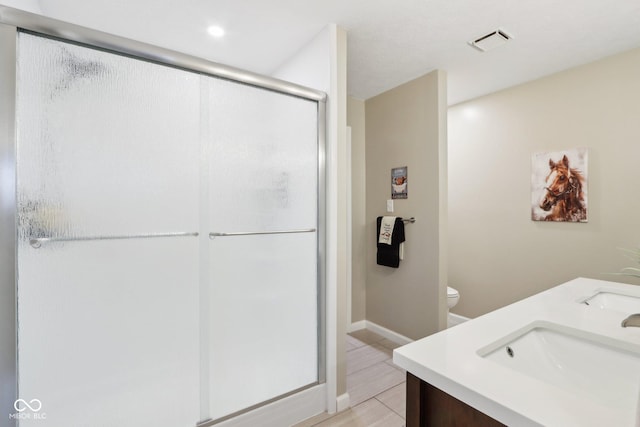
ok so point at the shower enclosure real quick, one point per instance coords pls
(167, 234)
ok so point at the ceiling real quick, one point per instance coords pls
(389, 41)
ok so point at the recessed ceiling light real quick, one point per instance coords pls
(491, 41)
(215, 31)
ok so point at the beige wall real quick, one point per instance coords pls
(497, 255)
(406, 126)
(356, 121)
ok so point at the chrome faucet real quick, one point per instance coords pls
(633, 320)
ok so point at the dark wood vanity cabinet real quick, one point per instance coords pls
(428, 406)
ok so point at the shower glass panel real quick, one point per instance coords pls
(263, 289)
(167, 246)
(107, 318)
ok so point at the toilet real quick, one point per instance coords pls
(452, 297)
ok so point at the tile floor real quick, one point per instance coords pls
(375, 385)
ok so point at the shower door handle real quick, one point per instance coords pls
(214, 234)
(37, 242)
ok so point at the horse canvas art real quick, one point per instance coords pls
(559, 186)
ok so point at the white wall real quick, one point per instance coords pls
(497, 255)
(311, 65)
(321, 64)
(28, 5)
(356, 120)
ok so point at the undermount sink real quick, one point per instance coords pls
(578, 362)
(614, 300)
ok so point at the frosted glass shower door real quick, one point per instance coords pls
(263, 340)
(108, 202)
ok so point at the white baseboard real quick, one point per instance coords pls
(356, 326)
(343, 402)
(456, 319)
(388, 334)
(380, 330)
(452, 320)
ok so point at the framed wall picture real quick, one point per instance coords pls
(399, 183)
(559, 186)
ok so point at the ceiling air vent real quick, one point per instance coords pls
(491, 40)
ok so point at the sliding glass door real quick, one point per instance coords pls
(167, 240)
(107, 317)
(263, 249)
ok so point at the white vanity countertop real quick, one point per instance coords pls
(449, 360)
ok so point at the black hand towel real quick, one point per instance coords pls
(389, 255)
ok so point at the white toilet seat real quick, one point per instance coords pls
(452, 296)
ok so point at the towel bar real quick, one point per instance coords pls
(252, 233)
